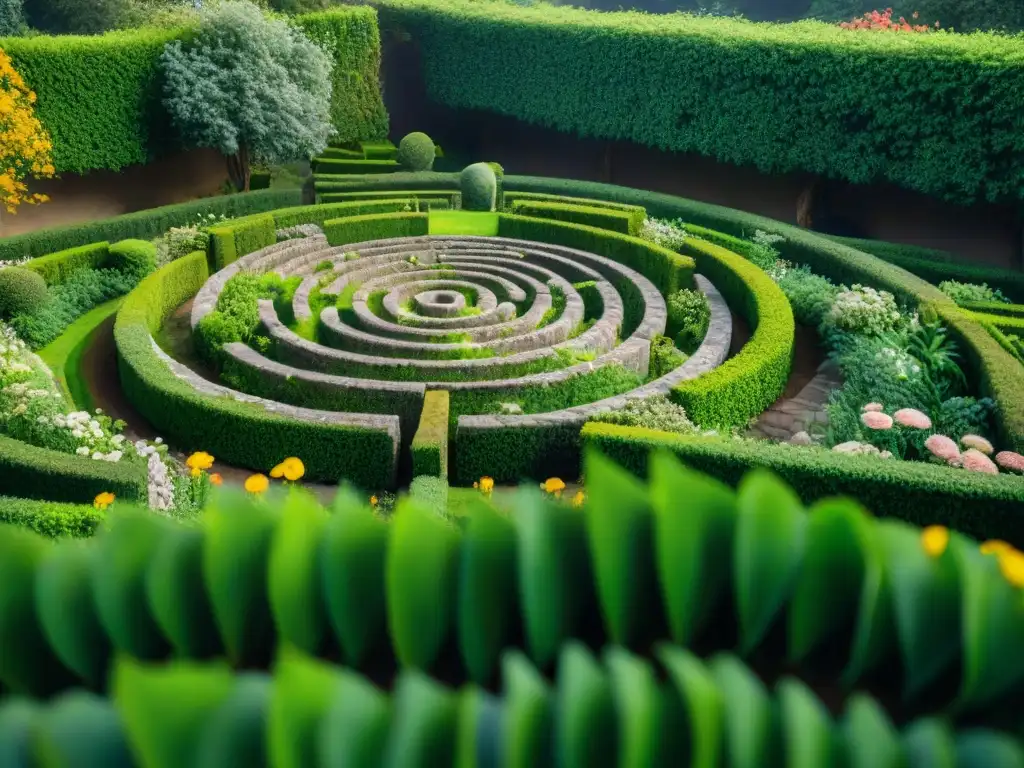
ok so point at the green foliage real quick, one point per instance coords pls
(665, 357)
(344, 166)
(77, 17)
(810, 295)
(132, 258)
(401, 180)
(449, 196)
(12, 18)
(479, 187)
(361, 229)
(50, 518)
(748, 383)
(636, 213)
(430, 443)
(22, 291)
(57, 267)
(416, 152)
(240, 237)
(432, 492)
(603, 218)
(658, 413)
(696, 64)
(688, 318)
(971, 293)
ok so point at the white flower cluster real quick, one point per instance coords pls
(902, 363)
(864, 310)
(96, 439)
(767, 239)
(12, 262)
(668, 234)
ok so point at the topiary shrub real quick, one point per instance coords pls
(479, 187)
(134, 258)
(688, 318)
(416, 152)
(22, 291)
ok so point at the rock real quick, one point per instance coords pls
(801, 438)
(511, 409)
(851, 446)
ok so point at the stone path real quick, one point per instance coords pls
(791, 415)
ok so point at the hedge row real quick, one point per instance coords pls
(402, 180)
(996, 371)
(52, 519)
(994, 308)
(430, 443)
(671, 82)
(668, 270)
(336, 165)
(115, 117)
(143, 225)
(361, 229)
(40, 473)
(238, 433)
(432, 492)
(451, 196)
(540, 197)
(234, 239)
(57, 267)
(591, 216)
(981, 506)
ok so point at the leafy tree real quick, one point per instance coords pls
(12, 17)
(83, 17)
(251, 86)
(24, 144)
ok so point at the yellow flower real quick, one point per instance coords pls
(994, 547)
(578, 499)
(1011, 563)
(553, 485)
(373, 501)
(216, 479)
(103, 500)
(290, 469)
(257, 483)
(935, 539)
(196, 472)
(485, 484)
(200, 461)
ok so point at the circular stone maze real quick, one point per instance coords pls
(528, 339)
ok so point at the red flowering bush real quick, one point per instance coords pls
(884, 20)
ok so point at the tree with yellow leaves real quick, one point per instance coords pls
(24, 144)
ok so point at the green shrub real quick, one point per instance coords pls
(665, 358)
(361, 229)
(12, 18)
(689, 316)
(57, 267)
(75, 17)
(51, 519)
(658, 413)
(21, 291)
(1000, 308)
(971, 293)
(342, 166)
(240, 237)
(479, 187)
(133, 258)
(416, 152)
(810, 295)
(430, 443)
(603, 218)
(432, 492)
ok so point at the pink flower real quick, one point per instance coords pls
(876, 420)
(873, 407)
(911, 417)
(942, 447)
(976, 461)
(1010, 461)
(978, 443)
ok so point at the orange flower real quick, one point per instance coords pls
(198, 462)
(257, 484)
(373, 501)
(216, 479)
(103, 500)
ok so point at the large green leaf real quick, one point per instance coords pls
(67, 611)
(527, 719)
(768, 552)
(423, 729)
(988, 749)
(619, 525)
(694, 521)
(488, 601)
(993, 627)
(874, 638)
(870, 738)
(27, 664)
(353, 557)
(646, 736)
(586, 724)
(80, 730)
(177, 594)
(929, 744)
(354, 731)
(422, 565)
(294, 576)
(750, 738)
(806, 727)
(479, 740)
(236, 733)
(703, 703)
(926, 601)
(831, 578)
(17, 720)
(124, 553)
(165, 709)
(239, 531)
(303, 690)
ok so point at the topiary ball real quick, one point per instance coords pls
(22, 292)
(416, 152)
(479, 187)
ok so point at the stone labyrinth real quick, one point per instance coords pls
(501, 323)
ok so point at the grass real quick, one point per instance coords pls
(483, 223)
(64, 354)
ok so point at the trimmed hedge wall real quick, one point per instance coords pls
(804, 104)
(57, 267)
(238, 238)
(452, 196)
(51, 518)
(668, 270)
(401, 180)
(982, 506)
(430, 443)
(591, 216)
(40, 473)
(143, 225)
(114, 117)
(344, 166)
(361, 229)
(238, 433)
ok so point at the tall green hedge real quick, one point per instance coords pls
(430, 443)
(100, 96)
(934, 113)
(53, 519)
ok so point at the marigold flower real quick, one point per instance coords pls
(216, 479)
(373, 501)
(994, 547)
(873, 407)
(579, 498)
(200, 461)
(103, 500)
(553, 485)
(976, 461)
(913, 418)
(876, 420)
(485, 484)
(978, 443)
(1011, 563)
(290, 469)
(257, 483)
(935, 539)
(942, 447)
(1010, 461)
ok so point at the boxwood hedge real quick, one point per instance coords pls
(430, 443)
(53, 519)
(581, 213)
(57, 267)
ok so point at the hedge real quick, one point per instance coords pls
(994, 308)
(57, 267)
(978, 505)
(115, 117)
(361, 229)
(592, 216)
(995, 370)
(143, 225)
(40, 473)
(451, 196)
(430, 443)
(401, 180)
(542, 197)
(668, 270)
(232, 240)
(432, 492)
(346, 166)
(378, 149)
(238, 433)
(50, 518)
(804, 107)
